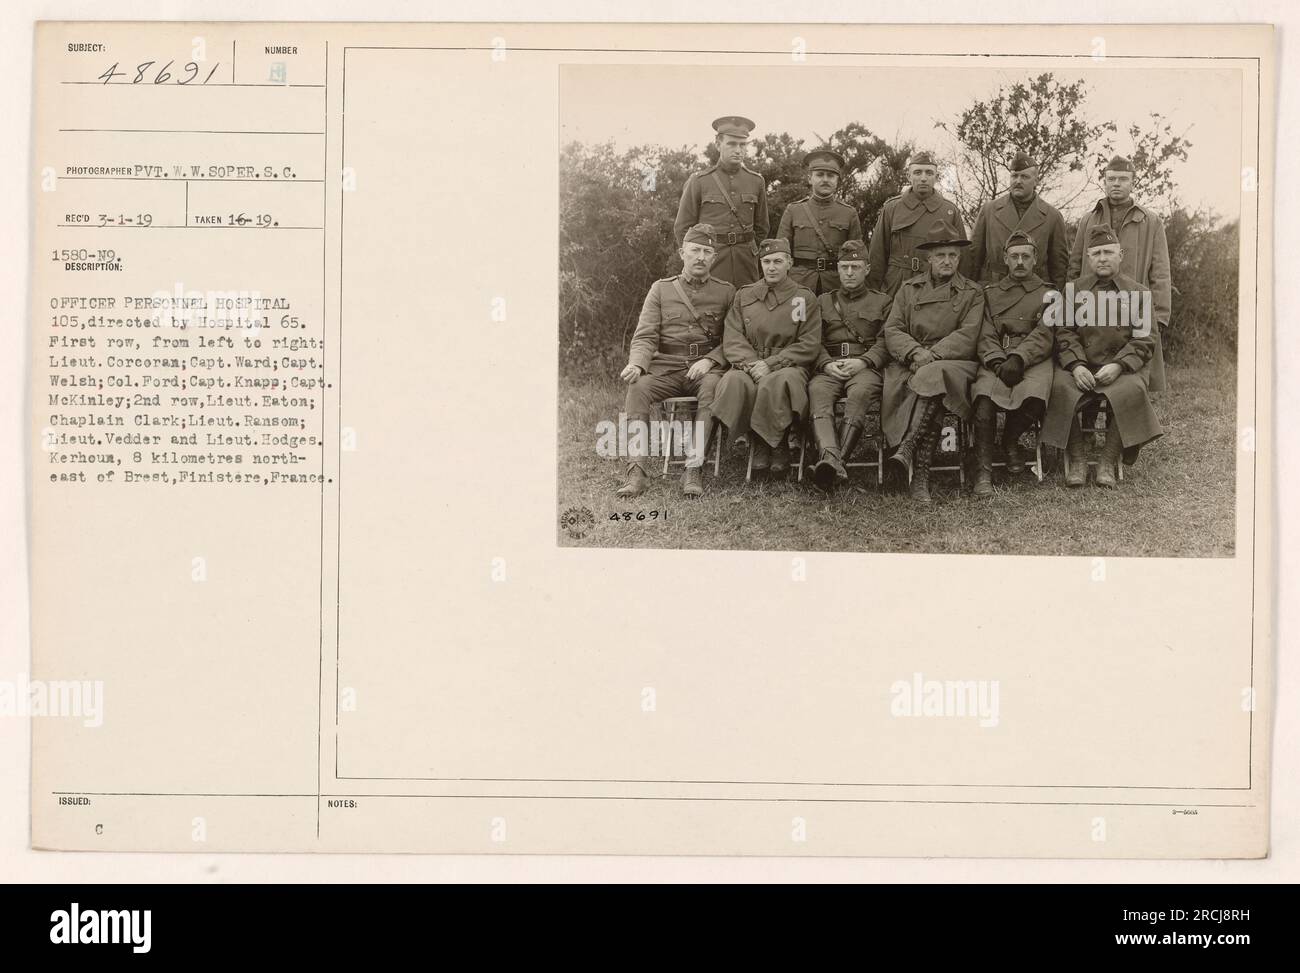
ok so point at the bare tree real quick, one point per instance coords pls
(1043, 117)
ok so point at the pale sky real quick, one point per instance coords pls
(674, 105)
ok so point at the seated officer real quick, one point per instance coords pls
(1105, 352)
(931, 334)
(1015, 352)
(852, 357)
(771, 338)
(675, 351)
(819, 223)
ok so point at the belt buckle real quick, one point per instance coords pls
(916, 264)
(844, 349)
(821, 263)
(731, 239)
(693, 351)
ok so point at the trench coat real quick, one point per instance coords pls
(997, 219)
(1146, 260)
(904, 224)
(781, 325)
(946, 319)
(1013, 324)
(1096, 345)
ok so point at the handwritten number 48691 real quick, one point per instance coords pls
(185, 74)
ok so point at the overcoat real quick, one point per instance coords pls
(946, 319)
(1146, 260)
(904, 224)
(1013, 324)
(997, 219)
(1096, 345)
(781, 325)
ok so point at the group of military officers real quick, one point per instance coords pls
(771, 333)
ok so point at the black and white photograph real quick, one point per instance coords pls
(970, 310)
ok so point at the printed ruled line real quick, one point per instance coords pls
(178, 226)
(265, 182)
(624, 797)
(181, 131)
(214, 84)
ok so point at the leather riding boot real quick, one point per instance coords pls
(850, 435)
(823, 428)
(830, 465)
(1108, 460)
(986, 428)
(906, 451)
(703, 421)
(829, 469)
(1076, 453)
(924, 453)
(1015, 425)
(638, 480)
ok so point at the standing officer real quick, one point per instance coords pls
(1015, 352)
(676, 351)
(1108, 355)
(931, 335)
(819, 223)
(1020, 209)
(771, 337)
(905, 222)
(852, 358)
(733, 200)
(1146, 251)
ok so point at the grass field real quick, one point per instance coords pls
(1178, 500)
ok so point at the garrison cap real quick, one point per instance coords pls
(1101, 235)
(922, 158)
(1021, 162)
(825, 159)
(700, 233)
(943, 235)
(1019, 238)
(771, 245)
(736, 125)
(1118, 164)
(853, 250)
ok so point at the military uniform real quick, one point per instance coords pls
(1040, 221)
(1013, 325)
(734, 203)
(1096, 345)
(931, 334)
(945, 319)
(779, 324)
(680, 323)
(1015, 353)
(672, 335)
(1146, 260)
(852, 327)
(817, 228)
